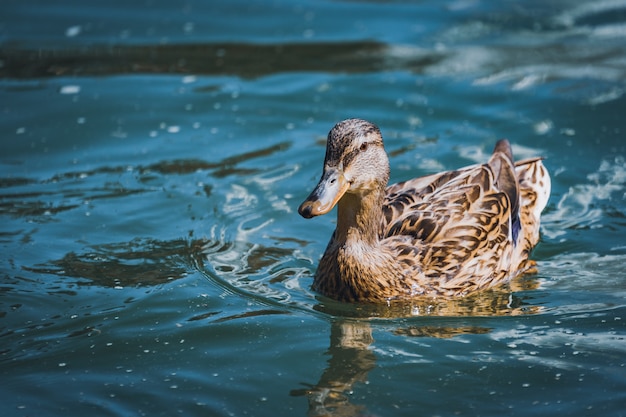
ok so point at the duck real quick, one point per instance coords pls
(444, 235)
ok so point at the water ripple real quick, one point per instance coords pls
(578, 207)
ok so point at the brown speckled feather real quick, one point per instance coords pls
(446, 234)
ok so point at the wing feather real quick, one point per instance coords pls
(456, 213)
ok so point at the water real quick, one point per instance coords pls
(153, 156)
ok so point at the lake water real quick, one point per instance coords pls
(153, 155)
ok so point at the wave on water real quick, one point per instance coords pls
(579, 208)
(585, 274)
(245, 254)
(525, 341)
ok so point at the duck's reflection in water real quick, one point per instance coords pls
(351, 341)
(350, 362)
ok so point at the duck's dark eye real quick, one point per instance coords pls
(363, 146)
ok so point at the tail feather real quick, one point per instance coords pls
(535, 185)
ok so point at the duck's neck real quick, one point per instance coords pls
(359, 217)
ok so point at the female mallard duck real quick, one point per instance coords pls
(447, 234)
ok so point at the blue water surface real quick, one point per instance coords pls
(153, 155)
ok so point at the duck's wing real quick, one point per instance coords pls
(462, 208)
(468, 229)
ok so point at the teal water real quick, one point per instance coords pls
(152, 159)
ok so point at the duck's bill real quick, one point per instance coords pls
(326, 194)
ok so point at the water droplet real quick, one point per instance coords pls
(543, 127)
(72, 31)
(70, 89)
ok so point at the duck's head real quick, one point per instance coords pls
(355, 163)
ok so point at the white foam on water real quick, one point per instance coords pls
(577, 208)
